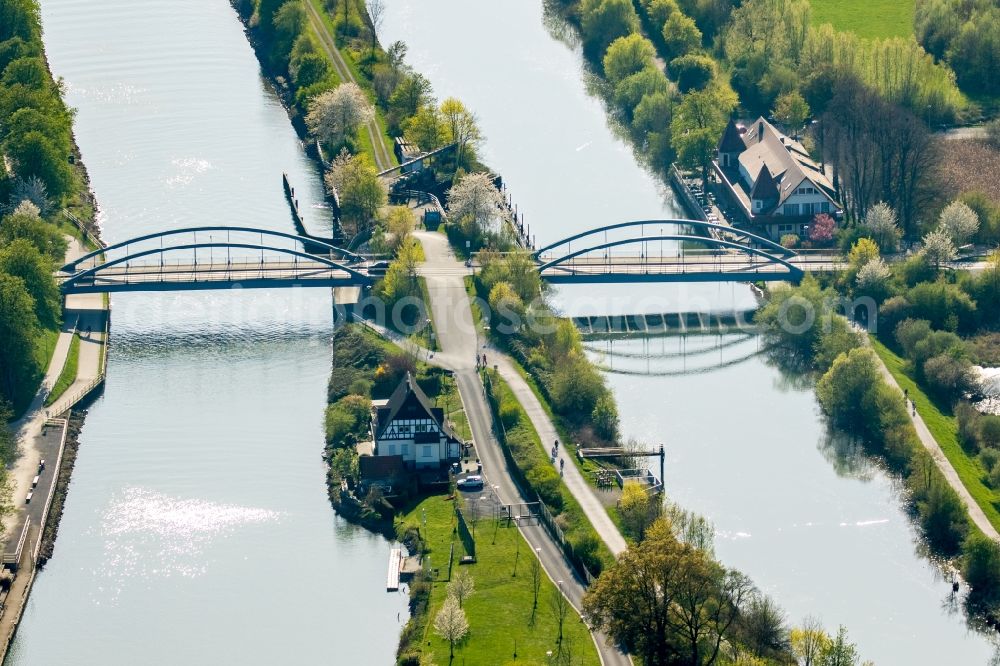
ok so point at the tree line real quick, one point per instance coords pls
(667, 600)
(37, 178)
(966, 35)
(875, 99)
(940, 322)
(333, 111)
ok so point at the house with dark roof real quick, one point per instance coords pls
(408, 427)
(771, 180)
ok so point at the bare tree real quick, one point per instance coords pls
(376, 13)
(451, 624)
(560, 609)
(535, 572)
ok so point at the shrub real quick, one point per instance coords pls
(981, 568)
(948, 377)
(944, 305)
(989, 431)
(790, 240)
(942, 516)
(968, 421)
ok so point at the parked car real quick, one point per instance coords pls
(474, 482)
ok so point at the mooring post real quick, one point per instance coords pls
(663, 458)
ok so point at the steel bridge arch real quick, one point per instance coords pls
(71, 266)
(93, 271)
(795, 272)
(697, 223)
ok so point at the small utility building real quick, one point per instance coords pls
(406, 425)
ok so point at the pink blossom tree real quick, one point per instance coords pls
(822, 228)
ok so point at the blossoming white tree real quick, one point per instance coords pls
(938, 247)
(960, 222)
(883, 226)
(476, 199)
(451, 624)
(335, 115)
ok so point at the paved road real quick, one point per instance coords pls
(459, 342)
(383, 157)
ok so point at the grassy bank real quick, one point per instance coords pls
(943, 427)
(505, 625)
(68, 373)
(866, 18)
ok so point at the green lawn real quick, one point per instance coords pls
(500, 610)
(942, 425)
(866, 18)
(68, 373)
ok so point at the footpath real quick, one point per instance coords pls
(41, 435)
(943, 464)
(382, 155)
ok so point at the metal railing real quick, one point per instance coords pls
(97, 242)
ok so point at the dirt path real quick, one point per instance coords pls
(383, 158)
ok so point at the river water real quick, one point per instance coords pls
(814, 523)
(197, 528)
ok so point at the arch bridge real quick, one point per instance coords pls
(689, 251)
(213, 257)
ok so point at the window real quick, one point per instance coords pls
(791, 209)
(784, 228)
(404, 429)
(405, 449)
(757, 204)
(825, 206)
(390, 449)
(428, 452)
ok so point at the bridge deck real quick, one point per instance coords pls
(211, 275)
(726, 266)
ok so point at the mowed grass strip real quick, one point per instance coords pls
(945, 430)
(866, 18)
(68, 373)
(500, 610)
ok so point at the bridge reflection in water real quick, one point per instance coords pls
(673, 355)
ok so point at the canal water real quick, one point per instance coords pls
(197, 528)
(815, 524)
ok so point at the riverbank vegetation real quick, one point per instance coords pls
(40, 175)
(515, 612)
(668, 601)
(858, 401)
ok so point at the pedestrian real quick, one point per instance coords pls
(562, 464)
(555, 447)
